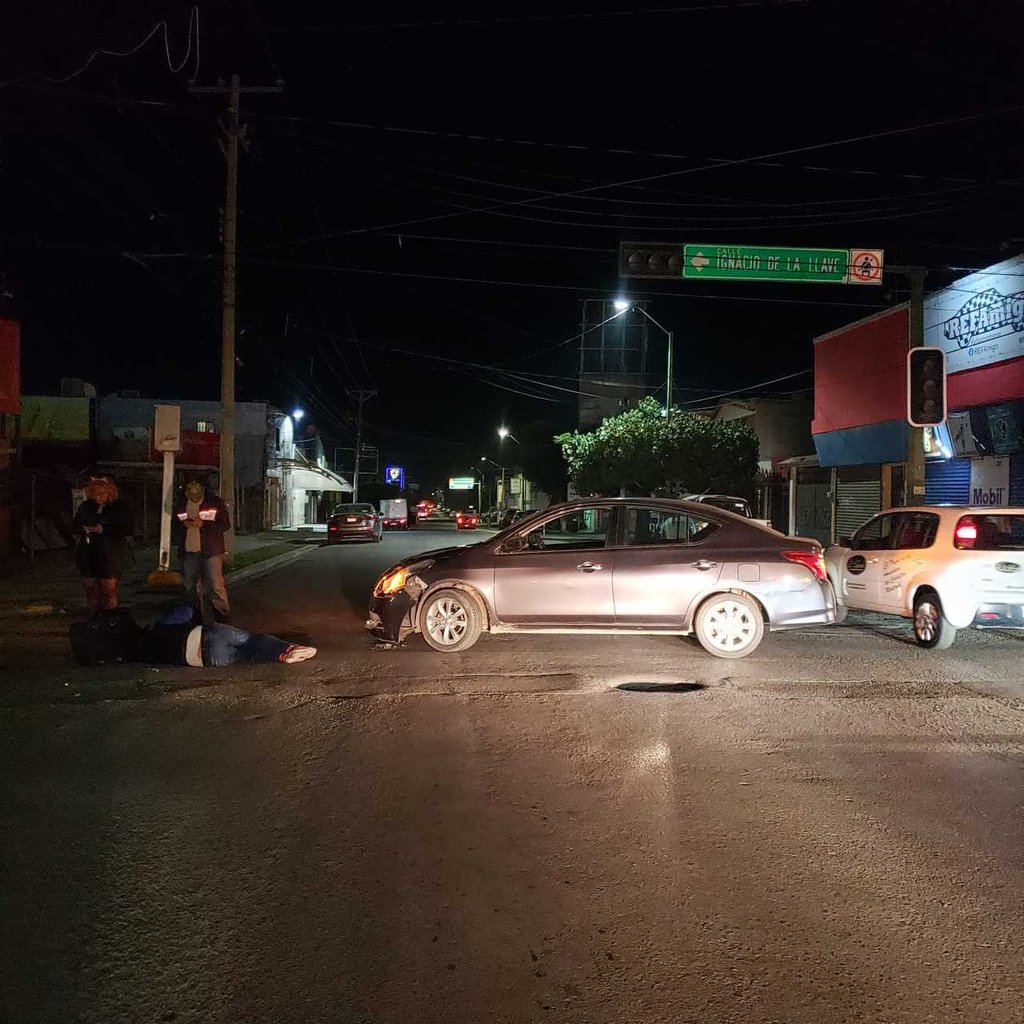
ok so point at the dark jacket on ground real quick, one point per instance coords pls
(105, 555)
(211, 533)
(164, 643)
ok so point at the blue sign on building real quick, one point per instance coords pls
(395, 475)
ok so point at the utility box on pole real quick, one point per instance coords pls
(166, 439)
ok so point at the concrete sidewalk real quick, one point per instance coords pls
(52, 586)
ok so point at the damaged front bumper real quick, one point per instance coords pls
(393, 617)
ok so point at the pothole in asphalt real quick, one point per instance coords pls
(661, 687)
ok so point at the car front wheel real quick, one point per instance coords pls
(932, 630)
(729, 626)
(450, 621)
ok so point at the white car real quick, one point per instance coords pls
(946, 568)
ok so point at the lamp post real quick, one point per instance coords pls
(504, 432)
(623, 306)
(483, 458)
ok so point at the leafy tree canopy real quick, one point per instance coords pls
(643, 451)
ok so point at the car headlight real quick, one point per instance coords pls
(394, 580)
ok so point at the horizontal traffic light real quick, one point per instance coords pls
(639, 259)
(926, 386)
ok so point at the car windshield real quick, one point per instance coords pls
(350, 510)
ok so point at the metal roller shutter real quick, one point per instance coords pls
(947, 482)
(856, 503)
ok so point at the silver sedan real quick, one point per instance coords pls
(611, 565)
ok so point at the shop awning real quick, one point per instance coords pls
(301, 476)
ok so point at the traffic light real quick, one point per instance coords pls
(650, 260)
(926, 387)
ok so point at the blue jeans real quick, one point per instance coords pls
(204, 584)
(228, 645)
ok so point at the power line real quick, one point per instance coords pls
(716, 165)
(712, 8)
(526, 284)
(535, 144)
(193, 31)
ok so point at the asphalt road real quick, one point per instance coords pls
(614, 829)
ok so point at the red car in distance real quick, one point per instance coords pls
(466, 520)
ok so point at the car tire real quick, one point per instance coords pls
(451, 621)
(729, 625)
(841, 609)
(932, 630)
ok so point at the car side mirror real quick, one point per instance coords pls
(513, 544)
(846, 542)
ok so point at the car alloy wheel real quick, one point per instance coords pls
(447, 621)
(451, 620)
(932, 630)
(729, 626)
(926, 621)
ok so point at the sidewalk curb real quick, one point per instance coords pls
(262, 568)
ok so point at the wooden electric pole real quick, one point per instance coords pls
(232, 133)
(360, 395)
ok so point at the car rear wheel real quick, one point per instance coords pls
(841, 610)
(932, 630)
(729, 626)
(451, 621)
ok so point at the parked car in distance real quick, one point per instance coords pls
(740, 506)
(357, 521)
(615, 565)
(513, 515)
(394, 513)
(945, 568)
(466, 520)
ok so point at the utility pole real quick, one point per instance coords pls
(360, 395)
(232, 133)
(668, 385)
(915, 484)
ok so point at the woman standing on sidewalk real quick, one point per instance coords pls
(103, 525)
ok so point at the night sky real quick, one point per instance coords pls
(358, 238)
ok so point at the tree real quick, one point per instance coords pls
(643, 451)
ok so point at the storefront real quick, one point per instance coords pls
(860, 428)
(977, 456)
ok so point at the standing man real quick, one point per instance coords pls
(200, 525)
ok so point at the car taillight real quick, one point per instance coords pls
(814, 560)
(966, 533)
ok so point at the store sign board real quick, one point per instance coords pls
(990, 482)
(979, 320)
(961, 434)
(1004, 428)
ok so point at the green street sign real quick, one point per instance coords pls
(781, 263)
(666, 262)
(461, 483)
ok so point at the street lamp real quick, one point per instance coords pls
(621, 306)
(297, 414)
(504, 432)
(483, 458)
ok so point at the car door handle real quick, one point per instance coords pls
(704, 565)
(588, 567)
